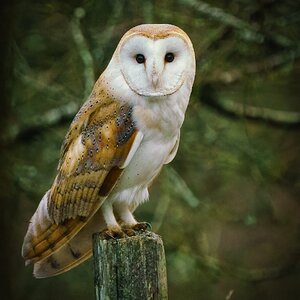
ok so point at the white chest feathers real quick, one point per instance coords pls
(160, 130)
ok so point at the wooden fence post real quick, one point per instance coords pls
(130, 268)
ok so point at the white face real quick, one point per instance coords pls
(155, 67)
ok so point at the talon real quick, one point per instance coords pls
(142, 226)
(108, 234)
(129, 231)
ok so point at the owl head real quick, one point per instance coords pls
(155, 59)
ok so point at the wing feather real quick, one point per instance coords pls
(92, 156)
(92, 160)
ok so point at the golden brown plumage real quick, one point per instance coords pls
(92, 156)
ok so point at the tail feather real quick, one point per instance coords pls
(44, 237)
(73, 253)
(39, 226)
(55, 265)
(52, 248)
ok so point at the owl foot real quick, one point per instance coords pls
(132, 230)
(113, 233)
(141, 226)
(128, 231)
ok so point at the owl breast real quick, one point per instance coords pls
(143, 168)
(160, 135)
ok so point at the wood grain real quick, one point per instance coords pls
(130, 268)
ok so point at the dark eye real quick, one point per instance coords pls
(140, 58)
(169, 57)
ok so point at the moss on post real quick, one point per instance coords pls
(130, 268)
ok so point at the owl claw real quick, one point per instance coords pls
(132, 230)
(115, 234)
(118, 233)
(142, 226)
(129, 231)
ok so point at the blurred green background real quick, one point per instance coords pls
(228, 206)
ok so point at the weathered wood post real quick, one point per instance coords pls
(130, 268)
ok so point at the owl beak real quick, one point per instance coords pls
(155, 78)
(155, 72)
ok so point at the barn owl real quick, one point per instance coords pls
(124, 133)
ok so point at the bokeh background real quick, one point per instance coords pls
(228, 206)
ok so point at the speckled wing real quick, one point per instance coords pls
(100, 142)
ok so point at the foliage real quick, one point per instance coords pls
(227, 207)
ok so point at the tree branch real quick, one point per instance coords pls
(83, 50)
(230, 108)
(247, 31)
(270, 63)
(104, 38)
(51, 118)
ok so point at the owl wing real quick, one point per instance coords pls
(99, 145)
(174, 150)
